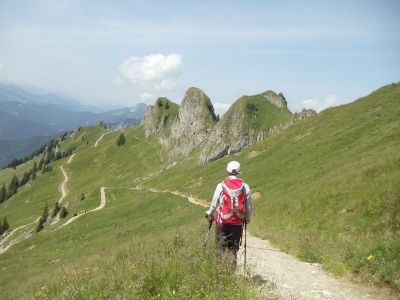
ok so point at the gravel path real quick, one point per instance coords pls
(102, 204)
(15, 241)
(100, 138)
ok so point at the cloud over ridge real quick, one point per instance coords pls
(152, 72)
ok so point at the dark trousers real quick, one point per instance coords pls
(228, 237)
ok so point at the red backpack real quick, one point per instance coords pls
(233, 207)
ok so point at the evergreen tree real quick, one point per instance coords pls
(47, 168)
(40, 226)
(13, 186)
(34, 170)
(63, 212)
(41, 163)
(58, 155)
(56, 209)
(43, 218)
(45, 214)
(25, 178)
(3, 193)
(121, 139)
(5, 226)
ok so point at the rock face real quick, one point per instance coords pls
(276, 99)
(304, 114)
(194, 122)
(194, 125)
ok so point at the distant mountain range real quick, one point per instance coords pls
(28, 120)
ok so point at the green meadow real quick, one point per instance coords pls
(326, 190)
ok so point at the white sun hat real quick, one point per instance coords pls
(233, 167)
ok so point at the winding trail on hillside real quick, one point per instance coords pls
(103, 200)
(63, 185)
(102, 204)
(63, 195)
(100, 138)
(4, 249)
(288, 277)
(56, 219)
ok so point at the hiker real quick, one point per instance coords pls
(231, 207)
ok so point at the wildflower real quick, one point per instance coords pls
(371, 257)
(173, 292)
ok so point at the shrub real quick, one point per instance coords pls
(121, 139)
(63, 212)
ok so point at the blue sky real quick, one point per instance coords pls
(118, 53)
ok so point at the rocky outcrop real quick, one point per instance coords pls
(193, 124)
(276, 99)
(304, 114)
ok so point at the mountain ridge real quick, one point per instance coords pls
(249, 120)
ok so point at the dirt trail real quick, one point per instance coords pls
(102, 193)
(288, 277)
(102, 204)
(71, 158)
(98, 141)
(4, 249)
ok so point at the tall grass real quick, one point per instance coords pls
(175, 265)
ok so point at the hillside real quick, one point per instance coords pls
(326, 189)
(125, 231)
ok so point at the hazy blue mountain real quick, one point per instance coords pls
(13, 93)
(26, 118)
(12, 128)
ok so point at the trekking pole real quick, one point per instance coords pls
(208, 232)
(245, 244)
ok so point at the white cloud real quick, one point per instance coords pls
(318, 104)
(1, 66)
(221, 108)
(152, 73)
(146, 96)
(157, 70)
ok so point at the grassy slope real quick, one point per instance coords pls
(166, 115)
(138, 243)
(261, 113)
(330, 187)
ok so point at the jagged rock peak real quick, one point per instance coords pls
(196, 114)
(195, 120)
(195, 97)
(276, 99)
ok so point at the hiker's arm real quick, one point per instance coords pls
(215, 200)
(249, 204)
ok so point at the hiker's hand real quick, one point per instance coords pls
(209, 217)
